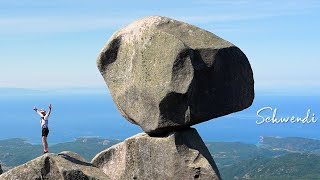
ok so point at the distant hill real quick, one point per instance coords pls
(14, 152)
(292, 166)
(228, 153)
(86, 147)
(291, 144)
(17, 151)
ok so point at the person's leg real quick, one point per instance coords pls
(45, 132)
(44, 143)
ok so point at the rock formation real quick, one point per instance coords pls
(0, 170)
(165, 75)
(66, 165)
(180, 155)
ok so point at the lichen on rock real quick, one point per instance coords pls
(180, 155)
(165, 75)
(65, 166)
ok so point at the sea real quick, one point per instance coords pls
(95, 115)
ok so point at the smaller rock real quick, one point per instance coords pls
(71, 156)
(65, 166)
(1, 170)
(180, 155)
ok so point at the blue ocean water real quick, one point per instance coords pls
(76, 115)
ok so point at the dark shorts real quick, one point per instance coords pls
(45, 132)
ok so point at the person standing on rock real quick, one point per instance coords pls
(44, 126)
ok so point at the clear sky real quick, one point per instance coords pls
(54, 44)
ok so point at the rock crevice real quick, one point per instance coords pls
(180, 155)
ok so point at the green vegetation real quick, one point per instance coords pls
(291, 144)
(228, 153)
(285, 167)
(274, 158)
(14, 152)
(86, 147)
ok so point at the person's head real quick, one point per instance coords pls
(43, 112)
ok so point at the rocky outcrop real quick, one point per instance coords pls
(65, 165)
(0, 170)
(165, 75)
(180, 155)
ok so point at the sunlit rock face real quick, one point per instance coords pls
(165, 75)
(180, 155)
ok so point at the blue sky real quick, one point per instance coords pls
(54, 44)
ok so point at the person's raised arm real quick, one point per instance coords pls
(49, 112)
(35, 108)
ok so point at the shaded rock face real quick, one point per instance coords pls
(165, 75)
(65, 166)
(180, 155)
(0, 170)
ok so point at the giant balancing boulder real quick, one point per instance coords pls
(165, 75)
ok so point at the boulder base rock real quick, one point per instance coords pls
(66, 166)
(0, 170)
(180, 155)
(164, 74)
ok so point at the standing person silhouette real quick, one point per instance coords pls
(44, 126)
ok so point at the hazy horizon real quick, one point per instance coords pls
(95, 114)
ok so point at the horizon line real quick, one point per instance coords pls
(266, 90)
